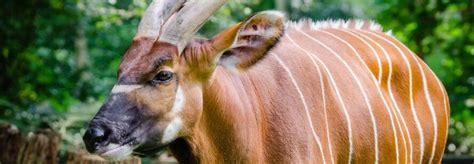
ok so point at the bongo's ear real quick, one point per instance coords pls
(247, 42)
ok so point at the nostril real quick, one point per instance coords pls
(94, 137)
(97, 133)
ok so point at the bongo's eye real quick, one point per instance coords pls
(162, 77)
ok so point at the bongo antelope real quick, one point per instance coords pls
(267, 90)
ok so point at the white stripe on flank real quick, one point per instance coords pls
(372, 117)
(430, 104)
(349, 124)
(433, 114)
(441, 87)
(412, 107)
(323, 92)
(373, 79)
(324, 101)
(379, 62)
(390, 110)
(445, 96)
(396, 111)
(445, 104)
(359, 84)
(295, 84)
(125, 88)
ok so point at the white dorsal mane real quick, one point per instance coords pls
(358, 24)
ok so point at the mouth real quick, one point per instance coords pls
(152, 151)
(117, 152)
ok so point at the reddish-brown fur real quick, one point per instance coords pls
(260, 109)
(257, 117)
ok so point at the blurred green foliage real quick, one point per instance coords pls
(59, 57)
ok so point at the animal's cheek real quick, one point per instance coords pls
(187, 104)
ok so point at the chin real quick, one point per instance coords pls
(115, 152)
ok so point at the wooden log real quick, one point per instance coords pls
(11, 142)
(82, 157)
(41, 146)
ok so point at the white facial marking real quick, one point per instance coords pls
(178, 102)
(171, 131)
(125, 88)
(116, 152)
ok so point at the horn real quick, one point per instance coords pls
(156, 15)
(187, 21)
